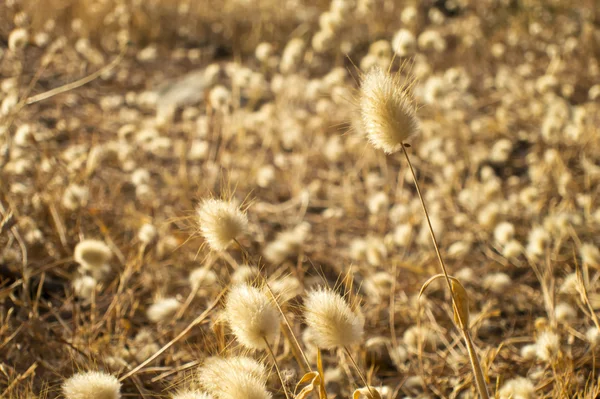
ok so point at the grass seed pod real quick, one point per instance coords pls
(92, 385)
(235, 377)
(92, 254)
(388, 111)
(334, 323)
(221, 222)
(191, 395)
(252, 316)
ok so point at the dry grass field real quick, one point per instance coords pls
(211, 199)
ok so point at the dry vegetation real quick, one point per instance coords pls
(117, 255)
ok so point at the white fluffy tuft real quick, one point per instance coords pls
(191, 395)
(548, 346)
(388, 113)
(333, 322)
(92, 385)
(92, 254)
(252, 316)
(202, 278)
(221, 222)
(233, 378)
(517, 388)
(162, 309)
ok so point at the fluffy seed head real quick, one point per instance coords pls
(286, 288)
(191, 395)
(569, 285)
(84, 287)
(292, 55)
(334, 323)
(245, 274)
(517, 388)
(202, 278)
(538, 240)
(565, 313)
(404, 43)
(548, 346)
(221, 222)
(376, 252)
(402, 234)
(431, 40)
(162, 309)
(416, 335)
(504, 232)
(590, 254)
(512, 249)
(219, 98)
(529, 352)
(378, 203)
(263, 51)
(497, 282)
(593, 336)
(92, 254)
(246, 364)
(388, 113)
(17, 39)
(287, 243)
(460, 248)
(92, 385)
(75, 196)
(252, 316)
(377, 286)
(147, 233)
(235, 377)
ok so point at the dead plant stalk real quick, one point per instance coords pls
(475, 364)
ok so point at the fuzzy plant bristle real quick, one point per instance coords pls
(162, 309)
(235, 377)
(92, 254)
(517, 388)
(221, 222)
(388, 112)
(332, 320)
(189, 394)
(252, 316)
(92, 385)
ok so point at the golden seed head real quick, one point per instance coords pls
(191, 395)
(332, 320)
(235, 377)
(202, 278)
(92, 385)
(517, 388)
(388, 112)
(548, 346)
(18, 39)
(221, 222)
(92, 254)
(163, 309)
(252, 316)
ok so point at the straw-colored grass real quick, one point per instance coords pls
(121, 119)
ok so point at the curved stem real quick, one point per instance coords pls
(435, 244)
(475, 364)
